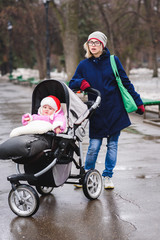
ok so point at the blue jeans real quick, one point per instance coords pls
(111, 155)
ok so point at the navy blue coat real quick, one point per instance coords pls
(111, 116)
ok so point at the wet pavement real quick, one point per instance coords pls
(129, 212)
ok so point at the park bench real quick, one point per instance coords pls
(21, 79)
(11, 78)
(32, 81)
(151, 102)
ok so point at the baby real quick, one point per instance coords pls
(50, 111)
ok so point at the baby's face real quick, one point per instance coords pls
(47, 110)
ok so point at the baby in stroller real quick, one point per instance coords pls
(46, 155)
(50, 111)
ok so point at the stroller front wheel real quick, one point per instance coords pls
(44, 190)
(92, 185)
(23, 201)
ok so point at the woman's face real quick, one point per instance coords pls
(95, 47)
(47, 110)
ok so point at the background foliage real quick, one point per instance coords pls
(132, 28)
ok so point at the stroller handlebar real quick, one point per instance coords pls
(93, 90)
(92, 104)
(89, 90)
(98, 99)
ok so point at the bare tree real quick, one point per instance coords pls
(38, 43)
(132, 28)
(152, 19)
(28, 33)
(67, 15)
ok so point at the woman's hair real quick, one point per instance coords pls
(86, 48)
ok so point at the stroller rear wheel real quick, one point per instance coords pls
(44, 190)
(92, 185)
(23, 201)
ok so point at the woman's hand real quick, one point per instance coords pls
(84, 85)
(140, 109)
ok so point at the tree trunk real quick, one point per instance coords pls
(70, 37)
(108, 24)
(149, 12)
(127, 67)
(39, 48)
(41, 62)
(154, 60)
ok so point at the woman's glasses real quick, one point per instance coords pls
(96, 43)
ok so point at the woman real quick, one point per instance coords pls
(111, 117)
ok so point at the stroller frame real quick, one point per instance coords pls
(23, 199)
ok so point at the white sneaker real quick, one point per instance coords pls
(108, 184)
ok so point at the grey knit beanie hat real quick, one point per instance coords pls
(98, 36)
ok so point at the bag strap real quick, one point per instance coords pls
(115, 71)
(114, 66)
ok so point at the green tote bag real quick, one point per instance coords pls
(128, 101)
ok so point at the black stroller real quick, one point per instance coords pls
(47, 158)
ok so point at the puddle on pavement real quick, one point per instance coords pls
(123, 168)
(143, 176)
(132, 130)
(140, 176)
(145, 137)
(149, 137)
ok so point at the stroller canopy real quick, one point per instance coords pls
(74, 105)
